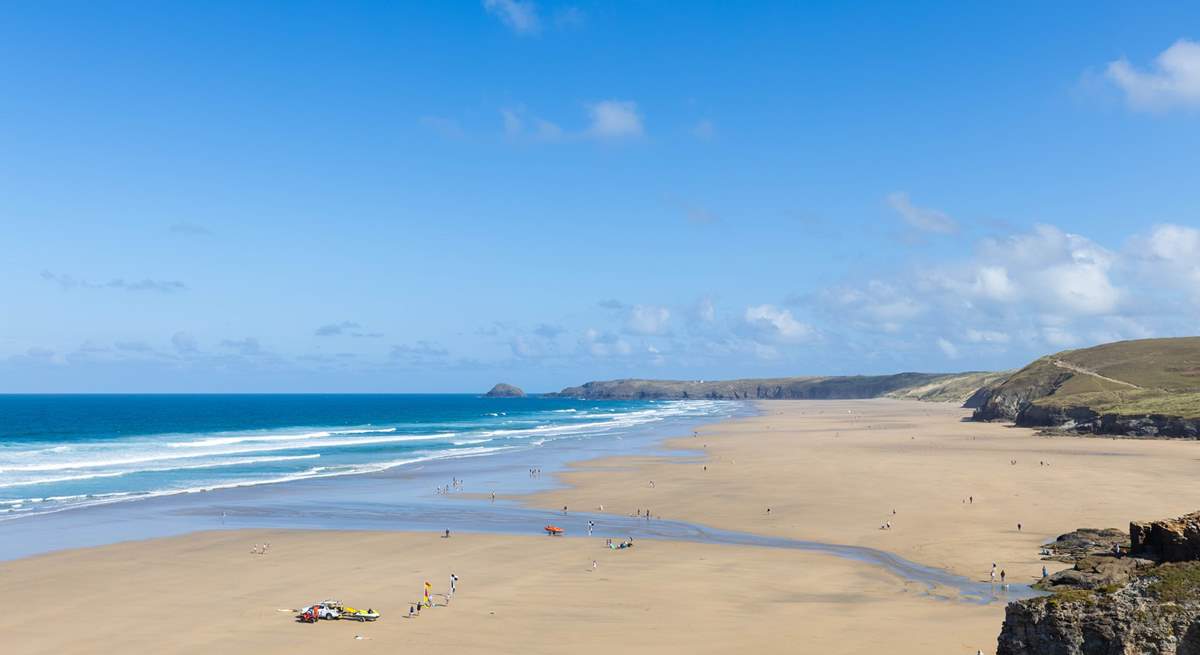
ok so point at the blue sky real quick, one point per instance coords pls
(261, 196)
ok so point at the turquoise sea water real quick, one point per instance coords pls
(59, 452)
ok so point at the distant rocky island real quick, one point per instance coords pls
(1135, 593)
(504, 390)
(1147, 388)
(943, 387)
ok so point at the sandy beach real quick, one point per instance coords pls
(829, 471)
(833, 471)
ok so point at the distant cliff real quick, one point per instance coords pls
(504, 390)
(1149, 387)
(948, 387)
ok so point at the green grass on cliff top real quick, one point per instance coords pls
(1176, 582)
(1165, 372)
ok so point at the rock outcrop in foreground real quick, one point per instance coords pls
(504, 390)
(1142, 600)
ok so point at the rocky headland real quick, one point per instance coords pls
(938, 387)
(1139, 593)
(1144, 388)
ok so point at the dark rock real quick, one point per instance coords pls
(1130, 620)
(1113, 605)
(1085, 421)
(503, 390)
(1086, 541)
(1009, 399)
(1095, 572)
(1168, 540)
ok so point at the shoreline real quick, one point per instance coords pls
(404, 491)
(824, 468)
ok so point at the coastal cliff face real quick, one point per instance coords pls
(918, 386)
(1131, 620)
(1007, 401)
(1146, 601)
(1145, 388)
(1084, 420)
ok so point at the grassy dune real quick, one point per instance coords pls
(1148, 376)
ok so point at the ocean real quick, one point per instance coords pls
(60, 452)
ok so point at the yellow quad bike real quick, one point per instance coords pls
(351, 614)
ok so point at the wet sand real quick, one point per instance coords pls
(829, 471)
(833, 471)
(205, 593)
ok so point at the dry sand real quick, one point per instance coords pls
(833, 471)
(205, 593)
(827, 475)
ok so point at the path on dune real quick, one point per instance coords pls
(1075, 368)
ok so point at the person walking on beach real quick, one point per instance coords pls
(1002, 576)
(993, 574)
(1045, 573)
(428, 589)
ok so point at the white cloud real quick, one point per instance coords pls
(648, 319)
(1169, 256)
(518, 123)
(1058, 271)
(604, 344)
(778, 323)
(921, 218)
(878, 304)
(520, 16)
(1069, 271)
(987, 336)
(948, 349)
(614, 119)
(1059, 337)
(993, 283)
(1173, 243)
(1173, 80)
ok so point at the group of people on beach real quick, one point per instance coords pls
(535, 473)
(1003, 575)
(260, 549)
(455, 485)
(427, 597)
